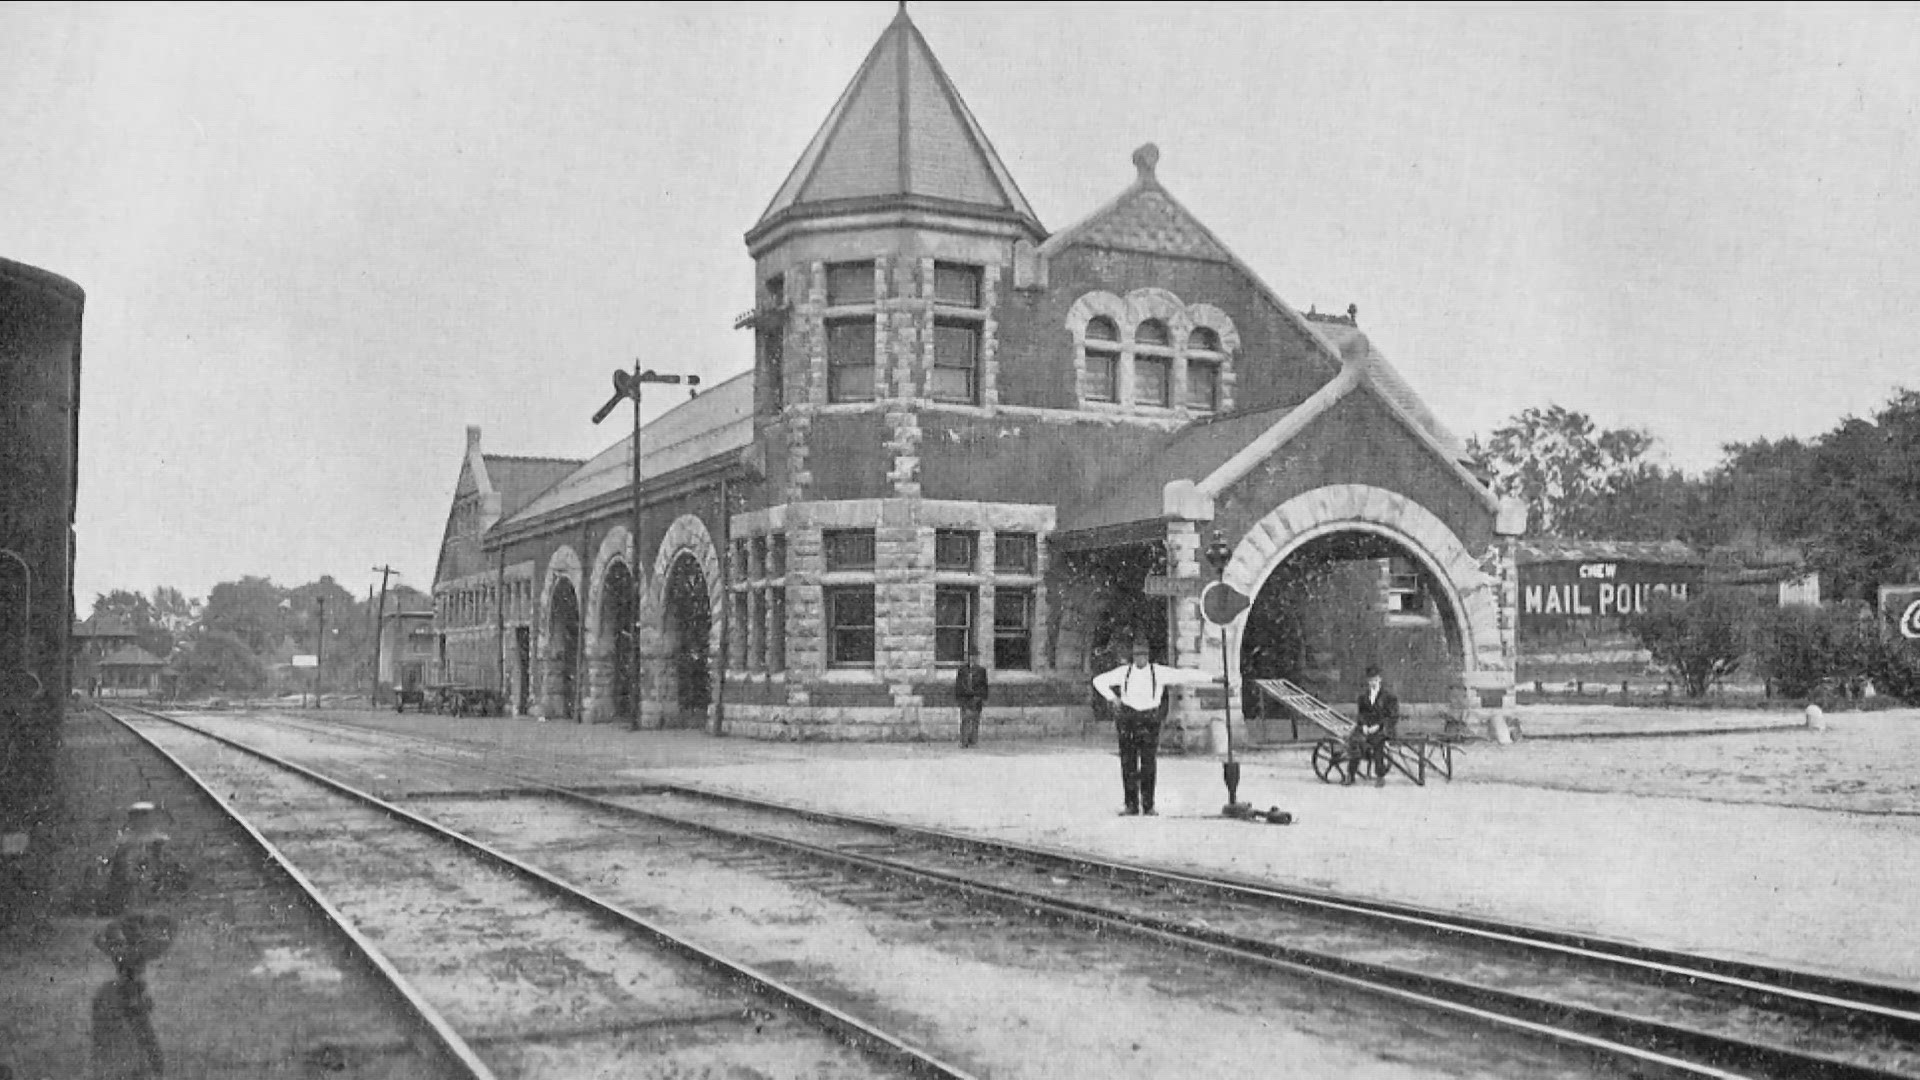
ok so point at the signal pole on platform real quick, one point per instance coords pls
(627, 384)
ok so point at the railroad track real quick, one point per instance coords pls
(517, 973)
(1647, 1011)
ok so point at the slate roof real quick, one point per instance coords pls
(1355, 345)
(899, 132)
(1546, 549)
(519, 479)
(1130, 490)
(719, 421)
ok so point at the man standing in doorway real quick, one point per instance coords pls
(1379, 717)
(1136, 691)
(970, 690)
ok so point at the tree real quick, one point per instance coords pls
(1702, 639)
(1862, 498)
(173, 610)
(219, 660)
(250, 610)
(1564, 468)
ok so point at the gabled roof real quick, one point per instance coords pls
(899, 135)
(717, 422)
(132, 656)
(1145, 217)
(1193, 466)
(1347, 338)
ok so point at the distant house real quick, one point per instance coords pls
(93, 641)
(130, 671)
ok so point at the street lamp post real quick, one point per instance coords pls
(627, 384)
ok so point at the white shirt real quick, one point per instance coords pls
(1139, 688)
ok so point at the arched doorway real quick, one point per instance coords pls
(616, 630)
(563, 653)
(685, 630)
(1345, 600)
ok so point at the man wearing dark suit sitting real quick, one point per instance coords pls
(1378, 721)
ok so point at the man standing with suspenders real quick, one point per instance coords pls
(1136, 691)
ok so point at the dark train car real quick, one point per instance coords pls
(39, 448)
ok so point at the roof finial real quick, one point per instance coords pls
(903, 9)
(1145, 159)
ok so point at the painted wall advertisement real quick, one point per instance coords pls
(1555, 594)
(1900, 614)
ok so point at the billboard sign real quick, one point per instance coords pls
(1900, 614)
(1557, 593)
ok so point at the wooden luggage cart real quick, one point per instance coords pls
(1412, 757)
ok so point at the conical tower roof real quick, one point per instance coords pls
(899, 137)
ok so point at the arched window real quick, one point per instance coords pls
(1152, 364)
(1103, 360)
(1203, 370)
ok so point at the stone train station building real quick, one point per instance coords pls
(962, 431)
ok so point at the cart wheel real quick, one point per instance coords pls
(1329, 758)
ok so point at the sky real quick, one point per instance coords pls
(318, 242)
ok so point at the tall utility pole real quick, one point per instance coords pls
(627, 385)
(379, 628)
(320, 653)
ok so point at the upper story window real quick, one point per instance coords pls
(956, 362)
(848, 549)
(1103, 360)
(954, 550)
(777, 291)
(1203, 370)
(849, 283)
(850, 360)
(1014, 553)
(957, 285)
(1152, 364)
(777, 555)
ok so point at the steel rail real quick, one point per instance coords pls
(1649, 1042)
(848, 1028)
(389, 976)
(1894, 1005)
(1600, 1027)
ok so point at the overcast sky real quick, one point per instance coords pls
(317, 242)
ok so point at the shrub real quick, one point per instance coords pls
(1800, 648)
(1896, 671)
(1795, 650)
(1702, 639)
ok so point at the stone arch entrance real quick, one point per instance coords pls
(680, 626)
(1351, 539)
(610, 692)
(561, 657)
(686, 685)
(1345, 600)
